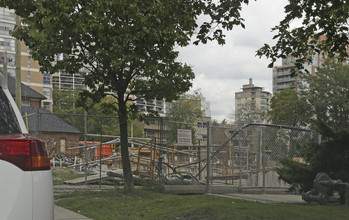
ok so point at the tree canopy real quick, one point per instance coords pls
(128, 47)
(287, 108)
(250, 113)
(316, 19)
(328, 94)
(184, 114)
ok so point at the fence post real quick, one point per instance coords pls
(240, 157)
(161, 121)
(100, 156)
(199, 159)
(85, 145)
(209, 165)
(258, 156)
(263, 157)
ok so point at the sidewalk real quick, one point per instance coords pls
(269, 198)
(65, 214)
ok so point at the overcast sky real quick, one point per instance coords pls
(222, 70)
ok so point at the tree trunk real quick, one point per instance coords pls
(126, 165)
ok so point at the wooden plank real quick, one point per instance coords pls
(90, 179)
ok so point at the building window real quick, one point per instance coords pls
(47, 106)
(47, 92)
(25, 103)
(6, 14)
(7, 44)
(46, 79)
(202, 137)
(28, 77)
(28, 62)
(202, 124)
(316, 59)
(150, 134)
(11, 59)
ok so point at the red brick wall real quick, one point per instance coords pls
(71, 140)
(35, 104)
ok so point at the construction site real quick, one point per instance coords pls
(231, 158)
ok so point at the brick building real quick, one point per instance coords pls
(58, 135)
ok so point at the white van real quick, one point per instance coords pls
(25, 174)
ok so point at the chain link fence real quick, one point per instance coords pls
(232, 158)
(225, 158)
(247, 160)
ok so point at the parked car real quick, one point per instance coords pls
(25, 175)
(182, 178)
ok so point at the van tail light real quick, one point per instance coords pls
(39, 156)
(27, 154)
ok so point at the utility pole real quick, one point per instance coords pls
(18, 96)
(5, 67)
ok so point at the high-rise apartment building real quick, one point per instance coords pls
(62, 80)
(251, 104)
(30, 73)
(284, 77)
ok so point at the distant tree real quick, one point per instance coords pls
(215, 122)
(250, 113)
(184, 114)
(64, 100)
(319, 18)
(328, 94)
(98, 114)
(127, 46)
(287, 108)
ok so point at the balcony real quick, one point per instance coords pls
(282, 73)
(285, 79)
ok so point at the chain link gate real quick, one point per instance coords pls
(183, 163)
(243, 159)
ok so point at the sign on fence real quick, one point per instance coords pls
(184, 137)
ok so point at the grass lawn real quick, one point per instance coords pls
(145, 204)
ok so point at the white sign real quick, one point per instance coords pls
(184, 137)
